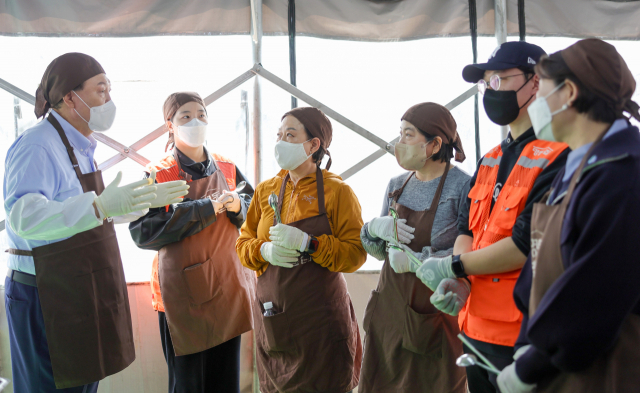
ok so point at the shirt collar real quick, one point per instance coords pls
(185, 160)
(76, 139)
(525, 137)
(575, 157)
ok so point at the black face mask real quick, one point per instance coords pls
(502, 106)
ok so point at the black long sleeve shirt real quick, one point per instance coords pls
(511, 150)
(160, 227)
(580, 315)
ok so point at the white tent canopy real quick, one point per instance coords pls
(371, 20)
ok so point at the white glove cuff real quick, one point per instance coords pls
(305, 242)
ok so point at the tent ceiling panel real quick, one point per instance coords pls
(337, 19)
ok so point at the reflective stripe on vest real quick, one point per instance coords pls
(490, 314)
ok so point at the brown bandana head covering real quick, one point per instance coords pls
(174, 102)
(435, 119)
(318, 125)
(602, 70)
(64, 74)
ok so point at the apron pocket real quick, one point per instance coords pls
(423, 333)
(370, 309)
(492, 298)
(202, 282)
(278, 334)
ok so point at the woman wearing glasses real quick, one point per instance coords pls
(410, 346)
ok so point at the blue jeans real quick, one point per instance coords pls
(30, 361)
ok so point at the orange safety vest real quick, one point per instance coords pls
(167, 170)
(490, 314)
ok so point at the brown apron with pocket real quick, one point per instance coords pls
(614, 371)
(83, 296)
(410, 346)
(312, 344)
(205, 290)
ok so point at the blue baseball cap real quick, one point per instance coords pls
(514, 54)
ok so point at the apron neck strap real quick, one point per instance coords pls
(74, 161)
(319, 185)
(436, 197)
(396, 194)
(578, 173)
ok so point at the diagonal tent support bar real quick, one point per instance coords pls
(380, 153)
(294, 91)
(158, 132)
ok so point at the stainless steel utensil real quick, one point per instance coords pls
(273, 202)
(468, 360)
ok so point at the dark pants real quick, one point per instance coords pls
(214, 370)
(482, 381)
(30, 361)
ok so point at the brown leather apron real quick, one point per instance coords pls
(83, 295)
(616, 370)
(312, 344)
(205, 289)
(410, 346)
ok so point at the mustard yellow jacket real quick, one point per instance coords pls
(340, 252)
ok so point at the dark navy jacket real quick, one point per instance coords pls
(580, 316)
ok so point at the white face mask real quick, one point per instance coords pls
(101, 117)
(290, 155)
(541, 116)
(193, 133)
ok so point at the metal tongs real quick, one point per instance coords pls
(238, 188)
(396, 243)
(273, 202)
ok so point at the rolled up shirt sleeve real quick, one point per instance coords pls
(32, 209)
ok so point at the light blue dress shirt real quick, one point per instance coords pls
(37, 162)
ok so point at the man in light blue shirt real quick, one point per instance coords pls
(65, 294)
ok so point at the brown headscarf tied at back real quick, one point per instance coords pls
(435, 119)
(602, 70)
(64, 74)
(318, 125)
(174, 102)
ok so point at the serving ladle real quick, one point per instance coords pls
(273, 202)
(468, 360)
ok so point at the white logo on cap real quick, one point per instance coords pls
(531, 61)
(495, 52)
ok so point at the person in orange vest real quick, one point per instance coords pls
(495, 213)
(199, 288)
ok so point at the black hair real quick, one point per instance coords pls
(445, 154)
(597, 109)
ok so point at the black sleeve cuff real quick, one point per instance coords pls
(534, 366)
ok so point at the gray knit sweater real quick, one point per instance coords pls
(417, 196)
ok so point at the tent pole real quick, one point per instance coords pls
(292, 49)
(256, 40)
(501, 37)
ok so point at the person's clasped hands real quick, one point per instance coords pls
(383, 228)
(286, 244)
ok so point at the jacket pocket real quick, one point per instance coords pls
(480, 196)
(492, 298)
(202, 282)
(369, 310)
(509, 206)
(423, 333)
(278, 334)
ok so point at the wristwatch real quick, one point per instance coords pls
(457, 267)
(313, 245)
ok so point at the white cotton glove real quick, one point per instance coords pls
(521, 351)
(279, 256)
(382, 228)
(509, 382)
(289, 237)
(231, 201)
(399, 260)
(434, 270)
(451, 295)
(169, 192)
(117, 201)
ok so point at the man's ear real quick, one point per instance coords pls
(68, 100)
(536, 84)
